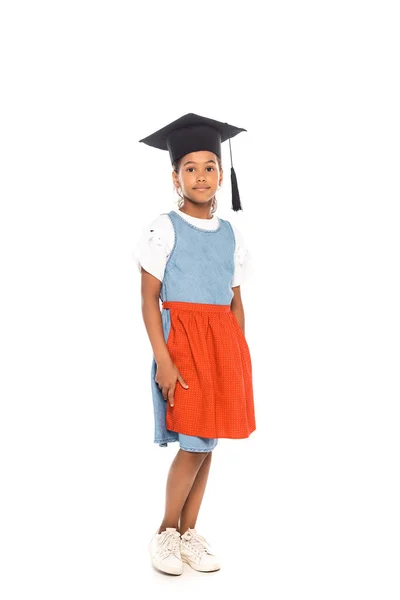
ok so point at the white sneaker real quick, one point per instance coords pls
(196, 552)
(165, 552)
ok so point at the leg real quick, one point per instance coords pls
(191, 507)
(181, 477)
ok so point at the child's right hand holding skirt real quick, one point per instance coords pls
(167, 375)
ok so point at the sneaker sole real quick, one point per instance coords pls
(164, 568)
(198, 568)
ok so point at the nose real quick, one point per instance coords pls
(201, 178)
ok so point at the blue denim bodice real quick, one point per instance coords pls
(200, 266)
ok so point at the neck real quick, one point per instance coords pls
(200, 211)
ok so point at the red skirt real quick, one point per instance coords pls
(209, 348)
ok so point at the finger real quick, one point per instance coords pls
(171, 395)
(182, 381)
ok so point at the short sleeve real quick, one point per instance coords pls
(242, 259)
(152, 249)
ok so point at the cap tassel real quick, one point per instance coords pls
(235, 190)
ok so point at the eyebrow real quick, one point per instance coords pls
(194, 163)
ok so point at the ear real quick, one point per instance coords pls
(175, 180)
(221, 176)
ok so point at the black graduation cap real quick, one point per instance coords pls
(192, 133)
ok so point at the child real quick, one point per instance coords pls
(201, 375)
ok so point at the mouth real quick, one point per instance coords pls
(201, 189)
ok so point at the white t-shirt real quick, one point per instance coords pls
(157, 241)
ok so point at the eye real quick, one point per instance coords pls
(190, 169)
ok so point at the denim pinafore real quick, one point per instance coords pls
(204, 339)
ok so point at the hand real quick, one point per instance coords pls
(167, 375)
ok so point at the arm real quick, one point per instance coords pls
(167, 373)
(150, 291)
(237, 306)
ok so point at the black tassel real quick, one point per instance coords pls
(235, 192)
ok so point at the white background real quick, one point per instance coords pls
(308, 505)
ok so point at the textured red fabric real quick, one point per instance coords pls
(210, 350)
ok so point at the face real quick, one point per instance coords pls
(199, 176)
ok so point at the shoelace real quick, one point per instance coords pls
(170, 543)
(197, 541)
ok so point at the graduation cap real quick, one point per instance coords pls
(192, 133)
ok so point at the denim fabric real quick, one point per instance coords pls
(200, 269)
(192, 443)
